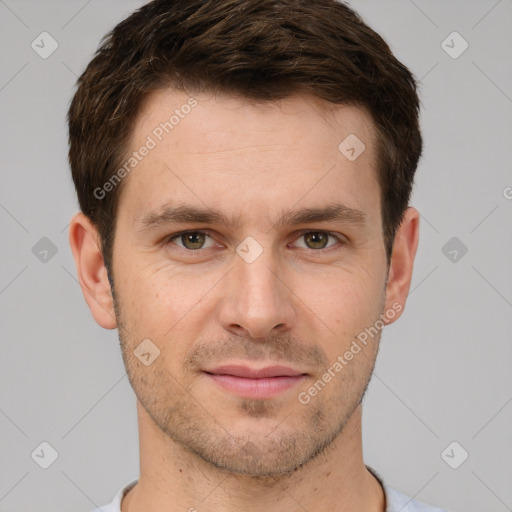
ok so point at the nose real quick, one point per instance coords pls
(257, 301)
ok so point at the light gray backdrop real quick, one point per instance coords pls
(444, 369)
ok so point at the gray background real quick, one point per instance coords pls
(443, 372)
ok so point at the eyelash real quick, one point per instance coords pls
(168, 241)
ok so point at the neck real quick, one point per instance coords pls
(173, 479)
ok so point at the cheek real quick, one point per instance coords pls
(340, 294)
(150, 286)
(165, 302)
(342, 304)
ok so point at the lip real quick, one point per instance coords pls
(255, 382)
(255, 373)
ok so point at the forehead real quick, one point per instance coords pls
(230, 153)
(215, 112)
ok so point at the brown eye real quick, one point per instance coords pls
(191, 240)
(316, 240)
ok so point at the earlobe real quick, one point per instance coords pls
(402, 263)
(92, 274)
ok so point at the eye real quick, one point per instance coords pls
(193, 241)
(190, 240)
(316, 240)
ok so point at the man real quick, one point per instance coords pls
(243, 170)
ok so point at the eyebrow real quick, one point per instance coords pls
(186, 214)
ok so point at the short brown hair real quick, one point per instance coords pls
(260, 50)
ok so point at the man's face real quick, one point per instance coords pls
(257, 293)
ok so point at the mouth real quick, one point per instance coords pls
(259, 383)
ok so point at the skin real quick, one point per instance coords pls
(300, 303)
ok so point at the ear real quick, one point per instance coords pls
(92, 274)
(401, 265)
